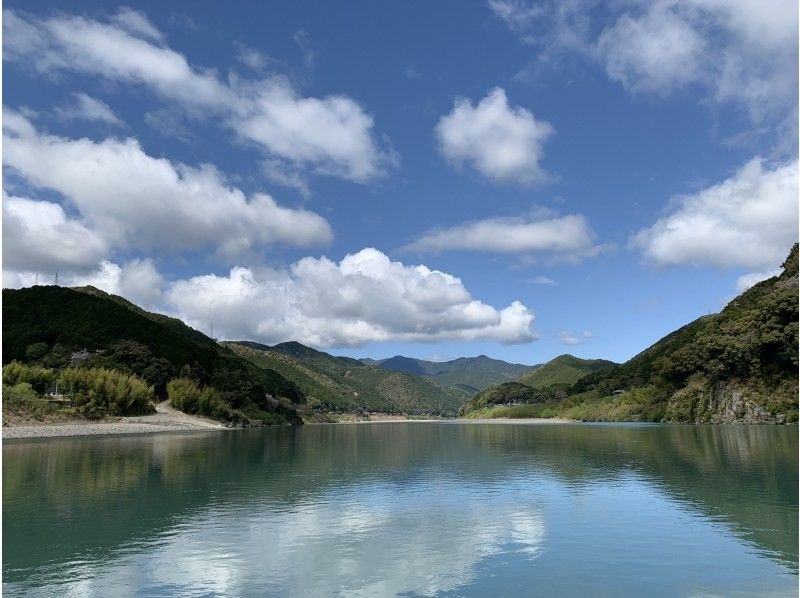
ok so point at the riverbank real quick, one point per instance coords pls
(165, 419)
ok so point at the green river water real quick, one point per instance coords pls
(411, 509)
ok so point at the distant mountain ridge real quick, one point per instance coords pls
(467, 374)
(347, 385)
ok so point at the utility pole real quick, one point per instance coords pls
(55, 282)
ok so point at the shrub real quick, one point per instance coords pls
(185, 395)
(38, 377)
(99, 392)
(22, 399)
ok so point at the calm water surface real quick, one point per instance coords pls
(413, 509)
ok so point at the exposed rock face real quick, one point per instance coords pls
(730, 404)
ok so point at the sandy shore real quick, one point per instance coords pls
(166, 419)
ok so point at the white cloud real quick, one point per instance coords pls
(569, 338)
(88, 108)
(517, 14)
(573, 339)
(38, 236)
(742, 52)
(250, 57)
(568, 237)
(412, 72)
(137, 23)
(134, 200)
(284, 175)
(137, 280)
(550, 26)
(303, 42)
(365, 297)
(748, 220)
(331, 135)
(746, 281)
(543, 281)
(657, 52)
(501, 142)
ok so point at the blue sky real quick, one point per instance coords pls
(573, 176)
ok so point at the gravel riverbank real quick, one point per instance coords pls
(166, 419)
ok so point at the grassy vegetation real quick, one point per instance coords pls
(50, 327)
(345, 385)
(98, 392)
(93, 393)
(738, 365)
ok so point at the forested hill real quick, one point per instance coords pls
(563, 371)
(57, 328)
(547, 383)
(346, 385)
(739, 365)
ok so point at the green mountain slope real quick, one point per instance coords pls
(467, 374)
(739, 365)
(546, 384)
(47, 325)
(342, 384)
(564, 370)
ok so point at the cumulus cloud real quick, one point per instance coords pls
(331, 135)
(85, 107)
(748, 220)
(365, 297)
(746, 281)
(160, 204)
(38, 236)
(657, 52)
(568, 237)
(137, 280)
(742, 52)
(501, 142)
